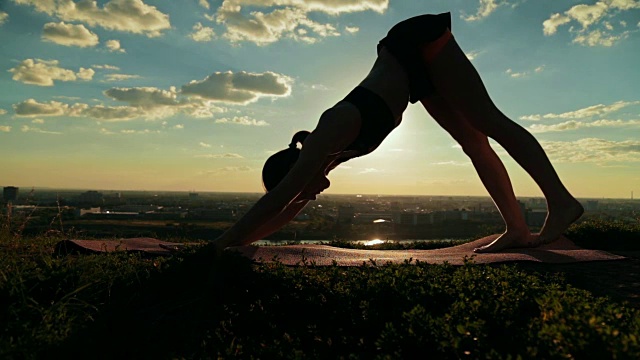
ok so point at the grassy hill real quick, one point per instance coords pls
(198, 306)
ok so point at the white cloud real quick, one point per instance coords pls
(114, 46)
(3, 111)
(597, 37)
(263, 29)
(106, 67)
(105, 131)
(143, 132)
(230, 169)
(587, 16)
(333, 7)
(515, 74)
(221, 156)
(203, 109)
(204, 145)
(240, 88)
(41, 72)
(487, 7)
(144, 96)
(147, 103)
(202, 33)
(472, 55)
(27, 128)
(453, 163)
(319, 87)
(352, 29)
(32, 108)
(531, 117)
(69, 35)
(369, 171)
(37, 121)
(4, 128)
(242, 120)
(85, 74)
(593, 150)
(132, 16)
(286, 19)
(204, 4)
(197, 99)
(574, 124)
(550, 26)
(120, 77)
(66, 97)
(3, 17)
(45, 72)
(589, 111)
(178, 126)
(109, 113)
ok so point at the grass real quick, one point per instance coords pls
(198, 306)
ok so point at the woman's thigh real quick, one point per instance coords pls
(458, 83)
(453, 122)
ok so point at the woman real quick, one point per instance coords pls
(418, 60)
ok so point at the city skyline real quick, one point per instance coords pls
(161, 96)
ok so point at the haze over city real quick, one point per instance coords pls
(195, 95)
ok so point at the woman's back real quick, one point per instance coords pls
(389, 80)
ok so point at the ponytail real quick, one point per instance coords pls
(278, 165)
(298, 137)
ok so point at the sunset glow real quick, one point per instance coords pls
(195, 95)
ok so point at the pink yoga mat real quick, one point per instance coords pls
(561, 251)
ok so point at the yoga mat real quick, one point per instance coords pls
(146, 246)
(561, 251)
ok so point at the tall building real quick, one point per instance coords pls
(10, 193)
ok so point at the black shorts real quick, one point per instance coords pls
(404, 41)
(377, 122)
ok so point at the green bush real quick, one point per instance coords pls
(606, 235)
(199, 306)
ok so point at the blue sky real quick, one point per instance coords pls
(195, 95)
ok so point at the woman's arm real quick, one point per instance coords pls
(274, 204)
(276, 223)
(337, 128)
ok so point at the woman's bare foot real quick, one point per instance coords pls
(509, 240)
(559, 218)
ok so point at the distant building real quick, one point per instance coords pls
(91, 197)
(346, 214)
(10, 193)
(223, 214)
(591, 205)
(415, 218)
(368, 218)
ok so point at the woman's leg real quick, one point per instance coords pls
(458, 82)
(491, 171)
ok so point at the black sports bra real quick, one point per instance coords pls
(377, 122)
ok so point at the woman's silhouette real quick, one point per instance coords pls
(418, 60)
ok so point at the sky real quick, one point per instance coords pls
(194, 95)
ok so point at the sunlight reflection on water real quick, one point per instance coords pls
(326, 242)
(373, 242)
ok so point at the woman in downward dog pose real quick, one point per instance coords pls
(418, 60)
